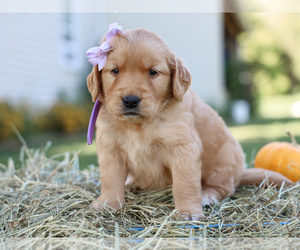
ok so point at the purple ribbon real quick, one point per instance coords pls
(97, 56)
(90, 133)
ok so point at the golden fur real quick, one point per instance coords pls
(175, 138)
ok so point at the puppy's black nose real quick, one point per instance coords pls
(131, 101)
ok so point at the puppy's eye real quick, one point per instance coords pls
(115, 71)
(152, 72)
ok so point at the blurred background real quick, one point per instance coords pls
(244, 59)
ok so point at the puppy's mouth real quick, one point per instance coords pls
(131, 113)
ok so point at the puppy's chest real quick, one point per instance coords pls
(143, 153)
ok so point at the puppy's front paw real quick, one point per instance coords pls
(193, 213)
(101, 203)
(193, 216)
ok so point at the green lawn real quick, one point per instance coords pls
(60, 144)
(273, 120)
(261, 131)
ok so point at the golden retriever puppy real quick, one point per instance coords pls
(153, 128)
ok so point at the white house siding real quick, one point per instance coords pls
(195, 37)
(28, 56)
(31, 69)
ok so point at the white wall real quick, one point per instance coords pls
(31, 48)
(28, 63)
(196, 38)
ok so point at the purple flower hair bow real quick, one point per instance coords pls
(97, 56)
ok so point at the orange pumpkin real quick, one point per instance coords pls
(282, 157)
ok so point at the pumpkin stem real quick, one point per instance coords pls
(293, 139)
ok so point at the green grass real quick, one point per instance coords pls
(273, 120)
(277, 107)
(60, 144)
(255, 135)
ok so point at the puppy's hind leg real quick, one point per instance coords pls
(129, 181)
(214, 191)
(221, 179)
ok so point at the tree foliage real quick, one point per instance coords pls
(272, 62)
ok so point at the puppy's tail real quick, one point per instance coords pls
(257, 175)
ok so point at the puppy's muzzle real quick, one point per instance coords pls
(131, 102)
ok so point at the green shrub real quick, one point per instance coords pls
(10, 115)
(63, 117)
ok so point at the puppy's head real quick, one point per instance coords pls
(141, 75)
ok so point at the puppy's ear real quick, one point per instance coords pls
(181, 78)
(94, 84)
